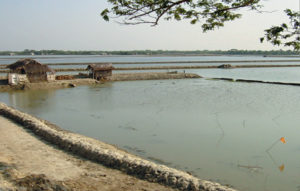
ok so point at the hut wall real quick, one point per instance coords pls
(50, 77)
(102, 74)
(14, 79)
(22, 78)
(36, 77)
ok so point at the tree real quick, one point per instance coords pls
(285, 34)
(211, 14)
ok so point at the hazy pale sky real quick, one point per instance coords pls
(77, 25)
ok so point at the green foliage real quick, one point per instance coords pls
(211, 13)
(285, 34)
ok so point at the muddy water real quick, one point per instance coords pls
(114, 58)
(215, 130)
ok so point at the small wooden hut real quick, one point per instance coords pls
(100, 71)
(30, 70)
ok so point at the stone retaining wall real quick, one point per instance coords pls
(109, 155)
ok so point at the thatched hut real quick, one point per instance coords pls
(100, 71)
(30, 70)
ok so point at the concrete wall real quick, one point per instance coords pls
(15, 79)
(23, 78)
(50, 77)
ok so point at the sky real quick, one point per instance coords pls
(77, 25)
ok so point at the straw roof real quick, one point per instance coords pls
(30, 66)
(101, 66)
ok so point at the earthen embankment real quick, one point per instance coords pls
(88, 81)
(109, 155)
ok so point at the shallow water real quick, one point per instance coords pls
(266, 74)
(82, 58)
(216, 130)
(213, 129)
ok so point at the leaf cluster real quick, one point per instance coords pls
(210, 13)
(285, 34)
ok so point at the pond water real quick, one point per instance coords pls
(215, 130)
(96, 58)
(266, 74)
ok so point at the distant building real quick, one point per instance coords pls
(29, 70)
(100, 71)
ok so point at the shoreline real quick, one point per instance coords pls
(109, 155)
(227, 66)
(58, 84)
(58, 56)
(3, 66)
(88, 81)
(55, 169)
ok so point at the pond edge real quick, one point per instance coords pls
(109, 155)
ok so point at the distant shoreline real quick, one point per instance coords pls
(2, 66)
(232, 52)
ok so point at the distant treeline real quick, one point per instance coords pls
(151, 52)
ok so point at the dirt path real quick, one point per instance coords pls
(27, 163)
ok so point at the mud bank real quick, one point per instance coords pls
(179, 67)
(152, 76)
(48, 85)
(61, 172)
(183, 62)
(109, 155)
(185, 67)
(256, 81)
(87, 81)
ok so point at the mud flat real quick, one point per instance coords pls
(229, 66)
(187, 62)
(49, 85)
(109, 155)
(88, 81)
(256, 81)
(166, 67)
(152, 76)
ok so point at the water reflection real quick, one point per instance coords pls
(35, 101)
(251, 168)
(100, 96)
(221, 129)
(281, 167)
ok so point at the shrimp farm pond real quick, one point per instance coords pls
(224, 131)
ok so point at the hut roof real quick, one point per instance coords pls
(101, 66)
(30, 66)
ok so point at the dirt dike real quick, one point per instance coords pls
(256, 81)
(27, 162)
(152, 76)
(109, 155)
(88, 81)
(184, 66)
(48, 85)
